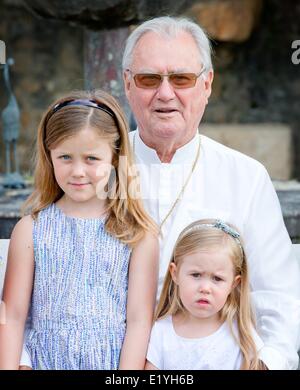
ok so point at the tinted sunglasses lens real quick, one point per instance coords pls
(183, 80)
(147, 80)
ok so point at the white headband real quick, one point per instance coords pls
(222, 226)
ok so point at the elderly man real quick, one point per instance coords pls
(186, 176)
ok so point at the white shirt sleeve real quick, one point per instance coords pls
(274, 277)
(154, 354)
(25, 358)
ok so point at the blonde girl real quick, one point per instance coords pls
(204, 318)
(85, 259)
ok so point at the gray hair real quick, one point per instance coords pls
(170, 27)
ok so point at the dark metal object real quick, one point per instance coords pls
(11, 129)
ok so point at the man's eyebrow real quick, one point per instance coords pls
(176, 70)
(145, 70)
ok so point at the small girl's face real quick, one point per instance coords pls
(205, 279)
(82, 165)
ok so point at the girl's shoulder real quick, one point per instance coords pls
(26, 224)
(22, 233)
(23, 227)
(148, 242)
(148, 250)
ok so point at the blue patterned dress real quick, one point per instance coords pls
(78, 307)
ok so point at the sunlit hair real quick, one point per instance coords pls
(169, 27)
(127, 219)
(237, 306)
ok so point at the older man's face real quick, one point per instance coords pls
(167, 112)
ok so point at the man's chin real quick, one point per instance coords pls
(166, 132)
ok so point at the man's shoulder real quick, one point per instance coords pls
(227, 155)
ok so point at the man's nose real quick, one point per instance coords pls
(166, 90)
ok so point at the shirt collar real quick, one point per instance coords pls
(185, 154)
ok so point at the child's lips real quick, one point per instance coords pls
(79, 184)
(203, 301)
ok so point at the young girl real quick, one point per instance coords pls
(203, 319)
(86, 257)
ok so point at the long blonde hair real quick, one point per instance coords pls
(127, 218)
(197, 238)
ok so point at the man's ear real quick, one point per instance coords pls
(173, 271)
(236, 281)
(207, 83)
(127, 81)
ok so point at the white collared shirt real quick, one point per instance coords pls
(233, 187)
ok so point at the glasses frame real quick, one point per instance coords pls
(162, 75)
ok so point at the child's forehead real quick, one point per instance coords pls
(90, 131)
(209, 258)
(85, 136)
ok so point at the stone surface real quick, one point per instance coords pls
(103, 62)
(227, 20)
(288, 194)
(100, 14)
(11, 202)
(271, 144)
(290, 206)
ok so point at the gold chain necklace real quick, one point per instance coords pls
(184, 185)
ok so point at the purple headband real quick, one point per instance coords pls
(79, 102)
(82, 102)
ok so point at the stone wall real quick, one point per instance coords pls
(255, 80)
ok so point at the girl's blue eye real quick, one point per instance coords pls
(92, 158)
(65, 157)
(196, 274)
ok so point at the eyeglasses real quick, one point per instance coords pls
(154, 80)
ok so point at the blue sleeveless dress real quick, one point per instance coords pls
(78, 306)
